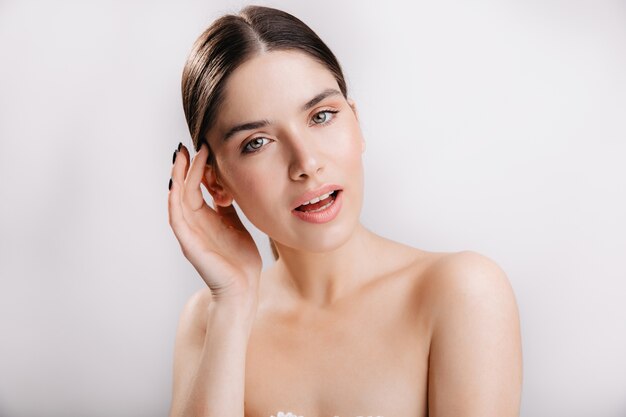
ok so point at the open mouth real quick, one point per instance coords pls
(319, 205)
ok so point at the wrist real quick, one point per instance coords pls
(234, 307)
(235, 291)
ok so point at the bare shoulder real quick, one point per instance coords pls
(200, 298)
(190, 336)
(194, 314)
(192, 323)
(466, 274)
(475, 338)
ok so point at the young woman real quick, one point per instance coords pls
(345, 323)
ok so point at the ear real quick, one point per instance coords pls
(356, 114)
(353, 106)
(221, 196)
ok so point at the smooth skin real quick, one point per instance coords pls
(346, 322)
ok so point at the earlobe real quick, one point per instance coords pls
(356, 114)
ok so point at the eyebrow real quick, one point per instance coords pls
(262, 123)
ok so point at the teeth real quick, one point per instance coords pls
(317, 199)
(324, 207)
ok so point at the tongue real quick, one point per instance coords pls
(315, 206)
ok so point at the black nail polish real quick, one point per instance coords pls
(180, 144)
(169, 187)
(174, 157)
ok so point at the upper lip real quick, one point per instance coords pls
(310, 195)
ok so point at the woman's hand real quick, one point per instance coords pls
(214, 240)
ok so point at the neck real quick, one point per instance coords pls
(322, 278)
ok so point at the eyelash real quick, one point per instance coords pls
(244, 151)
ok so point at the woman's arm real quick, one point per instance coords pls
(476, 354)
(212, 338)
(209, 358)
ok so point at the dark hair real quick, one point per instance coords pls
(229, 42)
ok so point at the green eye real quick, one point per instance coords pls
(254, 145)
(325, 116)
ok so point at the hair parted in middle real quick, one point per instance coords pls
(227, 43)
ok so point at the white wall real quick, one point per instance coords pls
(495, 126)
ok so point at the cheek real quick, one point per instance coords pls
(253, 191)
(246, 184)
(349, 148)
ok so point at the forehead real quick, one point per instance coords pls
(271, 85)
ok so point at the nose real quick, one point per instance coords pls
(305, 160)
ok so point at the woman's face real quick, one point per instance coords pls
(300, 145)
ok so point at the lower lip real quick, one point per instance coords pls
(324, 216)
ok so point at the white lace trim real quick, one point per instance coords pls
(287, 414)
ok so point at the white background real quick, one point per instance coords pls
(493, 126)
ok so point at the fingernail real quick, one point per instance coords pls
(179, 145)
(174, 157)
(169, 187)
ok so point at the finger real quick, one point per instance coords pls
(179, 168)
(175, 211)
(205, 182)
(196, 171)
(193, 193)
(186, 159)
